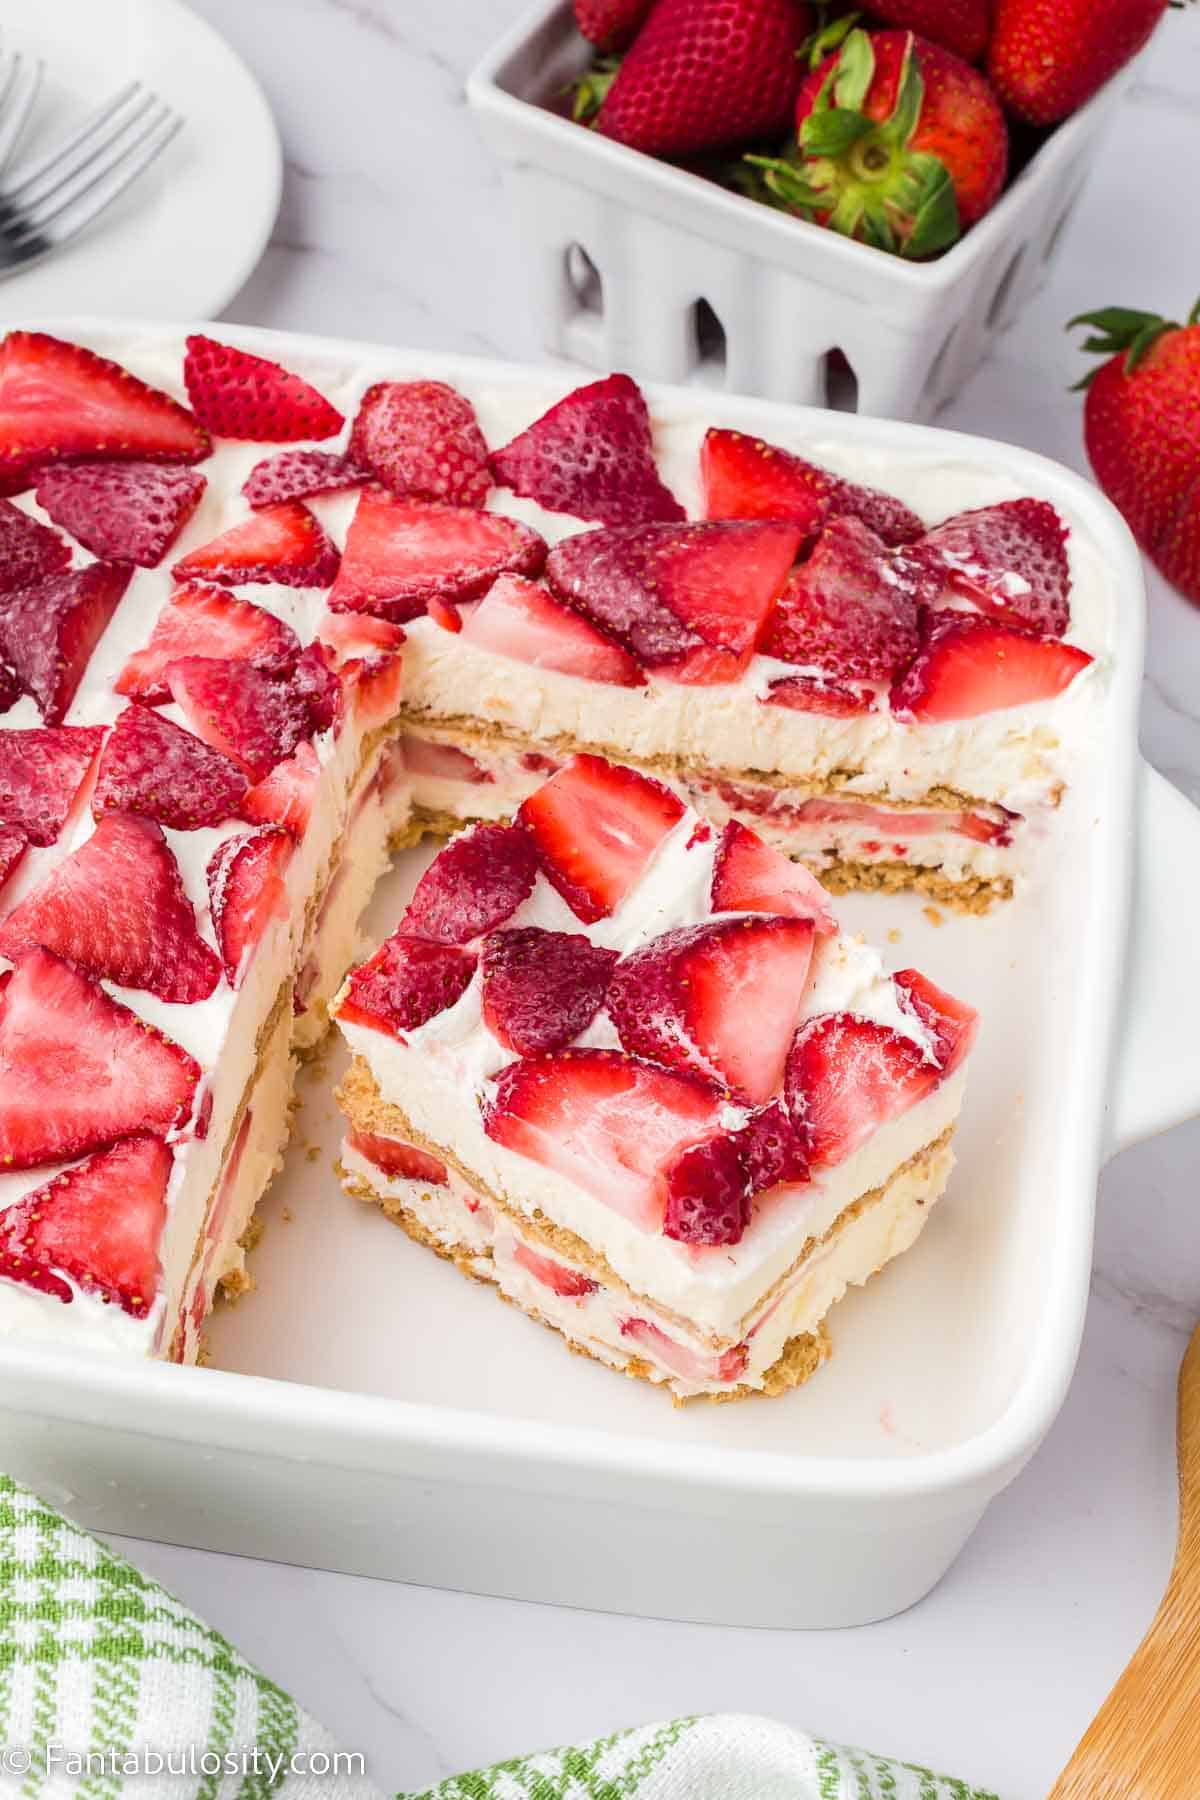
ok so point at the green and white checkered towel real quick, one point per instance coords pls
(109, 1687)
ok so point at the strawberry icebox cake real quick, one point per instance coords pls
(262, 625)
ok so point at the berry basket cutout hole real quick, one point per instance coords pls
(709, 345)
(1060, 226)
(585, 283)
(995, 312)
(839, 383)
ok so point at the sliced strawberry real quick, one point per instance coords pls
(403, 1161)
(568, 1284)
(407, 982)
(969, 665)
(239, 395)
(812, 693)
(445, 614)
(298, 474)
(771, 1150)
(48, 632)
(522, 619)
(591, 455)
(41, 774)
(126, 511)
(314, 679)
(285, 796)
(707, 1198)
(78, 1070)
(246, 891)
(98, 1224)
(682, 1359)
(846, 1077)
(10, 689)
(422, 756)
(422, 439)
(400, 554)
(748, 876)
(349, 634)
(373, 685)
(29, 550)
(668, 592)
(849, 611)
(952, 1025)
(745, 478)
(60, 400)
(542, 988)
(604, 1121)
(473, 886)
(719, 1000)
(596, 825)
(117, 908)
(1010, 559)
(254, 716)
(283, 543)
(205, 621)
(152, 766)
(13, 845)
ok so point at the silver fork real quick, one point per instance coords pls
(45, 203)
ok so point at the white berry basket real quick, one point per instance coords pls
(636, 264)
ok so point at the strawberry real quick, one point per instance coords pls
(610, 24)
(407, 982)
(690, 601)
(246, 891)
(13, 845)
(349, 634)
(719, 1000)
(254, 716)
(1047, 57)
(771, 1150)
(282, 543)
(899, 143)
(745, 478)
(116, 907)
(445, 762)
(373, 688)
(422, 439)
(604, 1121)
(850, 611)
(126, 511)
(1142, 431)
(706, 73)
(48, 631)
(152, 766)
(568, 1284)
(401, 1161)
(60, 400)
(748, 876)
(1009, 559)
(846, 1077)
(522, 619)
(814, 694)
(238, 395)
(707, 1201)
(78, 1070)
(959, 25)
(285, 796)
(969, 665)
(542, 988)
(475, 885)
(596, 825)
(205, 621)
(98, 1224)
(298, 474)
(591, 455)
(313, 678)
(399, 554)
(41, 775)
(951, 1024)
(29, 550)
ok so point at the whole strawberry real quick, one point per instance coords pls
(610, 24)
(1142, 430)
(899, 143)
(1048, 56)
(958, 25)
(703, 74)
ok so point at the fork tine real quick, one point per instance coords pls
(67, 147)
(29, 196)
(88, 198)
(15, 107)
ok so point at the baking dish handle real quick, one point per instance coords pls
(1156, 1074)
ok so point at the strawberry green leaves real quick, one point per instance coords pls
(1117, 328)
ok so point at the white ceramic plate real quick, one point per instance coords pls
(181, 242)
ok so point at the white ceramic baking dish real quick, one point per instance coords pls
(621, 248)
(371, 1411)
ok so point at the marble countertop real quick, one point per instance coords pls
(392, 227)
